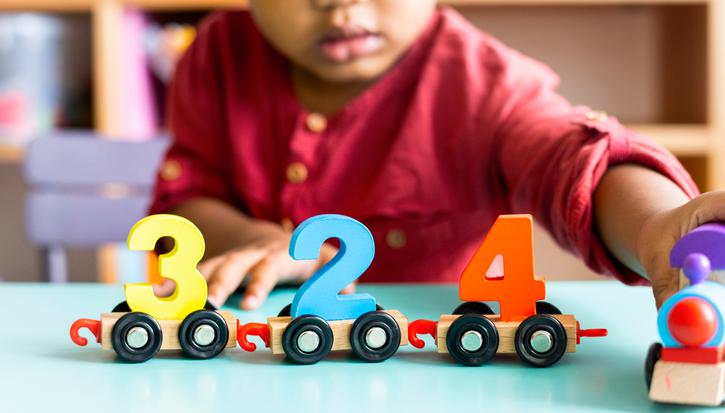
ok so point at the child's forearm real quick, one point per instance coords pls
(224, 227)
(627, 196)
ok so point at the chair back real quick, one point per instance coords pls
(86, 191)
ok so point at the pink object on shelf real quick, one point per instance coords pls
(138, 113)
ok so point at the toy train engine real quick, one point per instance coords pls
(688, 366)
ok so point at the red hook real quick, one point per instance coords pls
(590, 332)
(252, 329)
(94, 326)
(421, 327)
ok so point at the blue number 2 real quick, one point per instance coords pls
(320, 294)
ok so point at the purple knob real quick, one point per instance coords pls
(696, 268)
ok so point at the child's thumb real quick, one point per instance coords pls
(665, 285)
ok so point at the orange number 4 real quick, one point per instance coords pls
(503, 269)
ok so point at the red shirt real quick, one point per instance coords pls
(461, 130)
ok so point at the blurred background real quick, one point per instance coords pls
(98, 70)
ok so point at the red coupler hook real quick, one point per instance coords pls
(252, 329)
(94, 326)
(591, 332)
(421, 327)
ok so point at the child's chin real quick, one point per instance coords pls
(357, 70)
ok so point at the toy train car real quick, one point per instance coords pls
(473, 337)
(319, 320)
(503, 270)
(688, 367)
(138, 328)
(374, 336)
(137, 336)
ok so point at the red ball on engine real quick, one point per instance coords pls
(692, 322)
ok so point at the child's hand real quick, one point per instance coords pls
(263, 263)
(662, 230)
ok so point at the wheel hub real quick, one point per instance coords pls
(308, 341)
(541, 341)
(376, 337)
(471, 341)
(137, 337)
(204, 335)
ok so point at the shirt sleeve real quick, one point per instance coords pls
(552, 156)
(196, 163)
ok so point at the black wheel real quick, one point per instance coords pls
(286, 311)
(543, 307)
(540, 340)
(473, 307)
(203, 334)
(123, 307)
(472, 339)
(136, 337)
(375, 336)
(307, 339)
(653, 356)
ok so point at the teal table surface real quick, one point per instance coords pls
(42, 370)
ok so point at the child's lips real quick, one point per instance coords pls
(351, 46)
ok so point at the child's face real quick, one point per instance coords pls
(342, 40)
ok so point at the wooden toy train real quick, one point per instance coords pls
(319, 320)
(688, 367)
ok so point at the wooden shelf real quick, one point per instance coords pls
(10, 154)
(87, 5)
(47, 5)
(682, 140)
(160, 5)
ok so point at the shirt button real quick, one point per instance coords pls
(597, 116)
(316, 122)
(297, 172)
(287, 225)
(170, 170)
(396, 239)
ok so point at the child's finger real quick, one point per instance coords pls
(349, 289)
(665, 285)
(208, 267)
(229, 275)
(262, 279)
(165, 289)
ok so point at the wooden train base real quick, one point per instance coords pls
(694, 375)
(507, 332)
(374, 336)
(473, 339)
(688, 383)
(137, 337)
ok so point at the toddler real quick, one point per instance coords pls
(404, 116)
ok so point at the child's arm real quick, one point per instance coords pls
(242, 248)
(640, 215)
(613, 197)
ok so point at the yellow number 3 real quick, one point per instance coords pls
(178, 265)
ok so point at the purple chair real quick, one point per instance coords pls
(85, 192)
